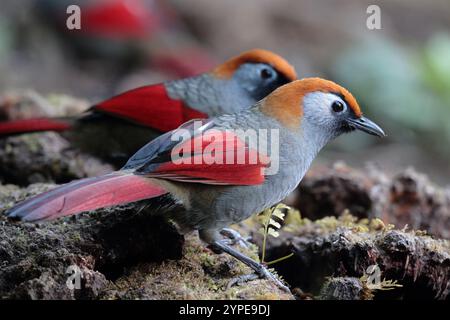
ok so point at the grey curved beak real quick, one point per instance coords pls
(366, 125)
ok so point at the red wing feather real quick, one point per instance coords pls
(150, 106)
(215, 157)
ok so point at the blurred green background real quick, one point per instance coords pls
(400, 74)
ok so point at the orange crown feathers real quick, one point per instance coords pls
(318, 84)
(284, 104)
(227, 69)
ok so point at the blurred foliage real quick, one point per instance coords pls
(5, 38)
(406, 87)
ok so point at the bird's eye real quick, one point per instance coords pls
(266, 73)
(337, 106)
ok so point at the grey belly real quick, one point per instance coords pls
(218, 207)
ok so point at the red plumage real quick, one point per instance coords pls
(86, 195)
(214, 157)
(32, 125)
(149, 106)
(119, 19)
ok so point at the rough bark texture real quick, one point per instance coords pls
(125, 253)
(128, 253)
(330, 252)
(47, 156)
(44, 157)
(407, 198)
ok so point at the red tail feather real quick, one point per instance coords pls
(86, 195)
(32, 125)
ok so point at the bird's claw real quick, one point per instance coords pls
(260, 270)
(234, 237)
(264, 273)
(261, 273)
(242, 279)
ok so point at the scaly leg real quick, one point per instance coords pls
(261, 271)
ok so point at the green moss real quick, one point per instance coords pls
(200, 274)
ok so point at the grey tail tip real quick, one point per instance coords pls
(12, 215)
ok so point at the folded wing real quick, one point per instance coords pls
(207, 154)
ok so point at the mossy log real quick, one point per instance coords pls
(407, 198)
(333, 256)
(121, 253)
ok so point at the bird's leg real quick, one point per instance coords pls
(235, 237)
(260, 270)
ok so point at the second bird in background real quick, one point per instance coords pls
(115, 129)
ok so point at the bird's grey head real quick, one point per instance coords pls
(318, 109)
(309, 113)
(251, 76)
(257, 80)
(330, 114)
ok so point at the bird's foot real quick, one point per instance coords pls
(234, 237)
(261, 273)
(260, 270)
(242, 279)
